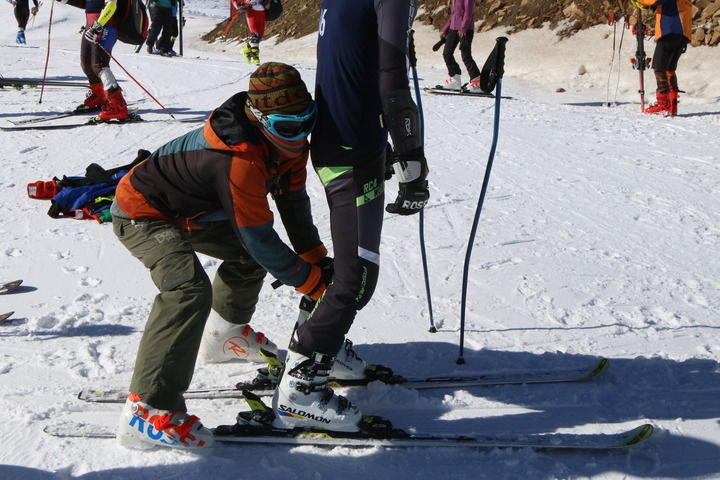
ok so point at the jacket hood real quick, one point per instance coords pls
(231, 126)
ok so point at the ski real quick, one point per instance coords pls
(55, 116)
(68, 113)
(10, 286)
(255, 427)
(262, 385)
(461, 92)
(67, 126)
(34, 82)
(6, 316)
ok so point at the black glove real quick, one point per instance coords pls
(411, 170)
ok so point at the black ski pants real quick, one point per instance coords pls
(354, 187)
(668, 50)
(452, 40)
(161, 26)
(22, 13)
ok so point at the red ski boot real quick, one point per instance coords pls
(116, 108)
(662, 107)
(95, 99)
(673, 99)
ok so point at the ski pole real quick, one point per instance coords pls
(497, 71)
(47, 57)
(181, 21)
(421, 227)
(133, 79)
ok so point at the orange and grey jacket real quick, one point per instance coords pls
(671, 16)
(225, 171)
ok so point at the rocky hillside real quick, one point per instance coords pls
(565, 16)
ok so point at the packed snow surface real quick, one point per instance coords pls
(598, 237)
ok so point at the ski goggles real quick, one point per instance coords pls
(287, 127)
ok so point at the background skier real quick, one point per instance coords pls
(255, 16)
(673, 31)
(459, 30)
(22, 14)
(99, 38)
(207, 192)
(162, 26)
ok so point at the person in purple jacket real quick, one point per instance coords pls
(459, 29)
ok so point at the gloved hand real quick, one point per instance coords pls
(91, 33)
(315, 283)
(34, 10)
(411, 170)
(638, 4)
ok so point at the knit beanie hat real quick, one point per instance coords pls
(277, 88)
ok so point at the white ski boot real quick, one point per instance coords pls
(143, 427)
(304, 400)
(453, 83)
(223, 341)
(474, 85)
(348, 365)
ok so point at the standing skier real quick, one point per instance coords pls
(22, 14)
(362, 93)
(206, 192)
(255, 16)
(97, 41)
(460, 29)
(673, 31)
(161, 26)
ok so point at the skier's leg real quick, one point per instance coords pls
(467, 58)
(451, 43)
(169, 345)
(453, 68)
(166, 19)
(236, 288)
(22, 14)
(355, 196)
(155, 27)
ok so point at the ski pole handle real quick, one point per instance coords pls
(500, 44)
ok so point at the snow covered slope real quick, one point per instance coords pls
(599, 237)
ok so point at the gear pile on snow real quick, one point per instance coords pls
(83, 197)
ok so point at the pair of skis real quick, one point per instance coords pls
(6, 288)
(255, 425)
(462, 91)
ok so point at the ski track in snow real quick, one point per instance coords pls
(598, 237)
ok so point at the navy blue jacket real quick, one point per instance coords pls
(362, 58)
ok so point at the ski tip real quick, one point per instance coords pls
(639, 435)
(11, 285)
(6, 316)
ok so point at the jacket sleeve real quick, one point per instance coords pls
(293, 204)
(468, 15)
(107, 12)
(244, 197)
(400, 114)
